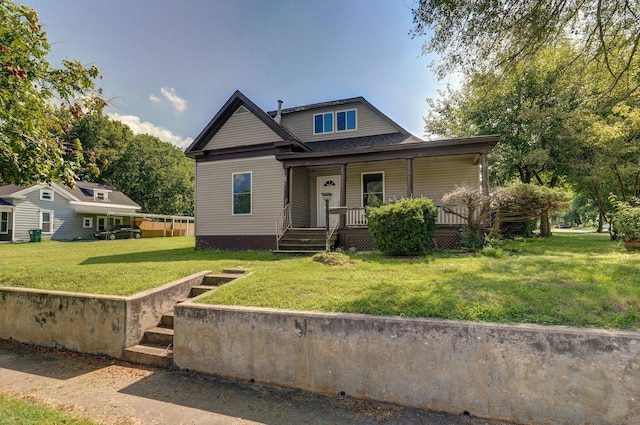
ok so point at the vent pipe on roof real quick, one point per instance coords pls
(279, 114)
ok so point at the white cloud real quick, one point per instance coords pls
(176, 101)
(142, 127)
(154, 98)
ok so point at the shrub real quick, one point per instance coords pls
(471, 240)
(627, 219)
(403, 227)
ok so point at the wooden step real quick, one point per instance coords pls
(159, 336)
(150, 355)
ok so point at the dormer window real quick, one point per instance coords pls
(323, 123)
(335, 122)
(100, 195)
(346, 120)
(46, 195)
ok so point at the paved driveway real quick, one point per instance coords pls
(115, 392)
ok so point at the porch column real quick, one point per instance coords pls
(409, 177)
(287, 183)
(484, 160)
(343, 193)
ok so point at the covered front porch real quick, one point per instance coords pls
(352, 180)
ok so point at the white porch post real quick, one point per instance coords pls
(343, 193)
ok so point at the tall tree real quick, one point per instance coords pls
(37, 102)
(481, 34)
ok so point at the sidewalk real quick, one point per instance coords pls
(115, 392)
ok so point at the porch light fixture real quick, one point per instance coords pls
(327, 197)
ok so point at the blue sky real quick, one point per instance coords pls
(168, 66)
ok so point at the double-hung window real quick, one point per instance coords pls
(346, 120)
(242, 193)
(323, 123)
(372, 189)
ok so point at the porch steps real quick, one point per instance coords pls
(156, 346)
(305, 241)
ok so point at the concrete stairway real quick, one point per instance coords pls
(305, 240)
(156, 346)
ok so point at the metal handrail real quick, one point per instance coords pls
(283, 223)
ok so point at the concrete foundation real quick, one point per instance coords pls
(524, 374)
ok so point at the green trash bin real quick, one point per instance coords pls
(35, 235)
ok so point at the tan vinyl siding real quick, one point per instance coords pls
(242, 130)
(214, 194)
(369, 123)
(300, 197)
(432, 178)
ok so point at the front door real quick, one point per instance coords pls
(328, 184)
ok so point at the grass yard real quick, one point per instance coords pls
(571, 279)
(14, 410)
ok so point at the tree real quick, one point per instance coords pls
(37, 102)
(510, 31)
(155, 174)
(529, 107)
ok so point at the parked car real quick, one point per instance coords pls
(119, 232)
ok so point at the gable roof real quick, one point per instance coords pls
(228, 109)
(81, 194)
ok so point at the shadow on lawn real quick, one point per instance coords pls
(182, 254)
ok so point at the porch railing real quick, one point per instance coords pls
(356, 217)
(283, 223)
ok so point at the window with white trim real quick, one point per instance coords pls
(4, 222)
(87, 222)
(100, 196)
(242, 191)
(46, 221)
(346, 120)
(323, 123)
(46, 195)
(372, 189)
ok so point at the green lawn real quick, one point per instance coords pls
(570, 279)
(15, 410)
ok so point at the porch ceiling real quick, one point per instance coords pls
(463, 146)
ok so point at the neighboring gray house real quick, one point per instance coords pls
(261, 176)
(61, 212)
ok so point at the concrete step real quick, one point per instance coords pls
(150, 355)
(199, 290)
(166, 321)
(234, 270)
(159, 336)
(219, 279)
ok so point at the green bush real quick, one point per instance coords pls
(627, 218)
(403, 227)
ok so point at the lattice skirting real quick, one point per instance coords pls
(446, 237)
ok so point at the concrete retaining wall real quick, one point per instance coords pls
(524, 374)
(99, 324)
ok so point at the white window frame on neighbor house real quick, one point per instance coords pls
(233, 193)
(4, 222)
(50, 222)
(100, 195)
(346, 114)
(87, 222)
(362, 192)
(108, 224)
(46, 195)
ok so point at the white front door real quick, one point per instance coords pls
(328, 184)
